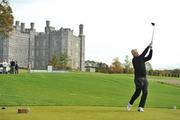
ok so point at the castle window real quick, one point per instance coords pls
(36, 63)
(55, 43)
(37, 53)
(32, 53)
(43, 63)
(44, 43)
(44, 53)
(37, 43)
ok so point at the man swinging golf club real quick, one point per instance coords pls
(140, 79)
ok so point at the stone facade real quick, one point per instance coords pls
(37, 48)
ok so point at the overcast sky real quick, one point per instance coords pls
(112, 27)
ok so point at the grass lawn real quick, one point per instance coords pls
(80, 89)
(84, 96)
(88, 113)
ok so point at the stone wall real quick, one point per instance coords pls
(55, 43)
(26, 46)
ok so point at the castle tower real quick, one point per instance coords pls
(22, 27)
(17, 24)
(32, 26)
(82, 48)
(81, 29)
(47, 28)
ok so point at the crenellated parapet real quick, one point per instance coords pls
(37, 48)
(21, 27)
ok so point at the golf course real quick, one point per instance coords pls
(85, 96)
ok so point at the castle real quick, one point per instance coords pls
(27, 46)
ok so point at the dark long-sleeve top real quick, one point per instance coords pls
(139, 63)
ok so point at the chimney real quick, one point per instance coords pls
(81, 29)
(17, 23)
(32, 26)
(47, 23)
(22, 27)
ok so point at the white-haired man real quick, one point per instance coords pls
(140, 79)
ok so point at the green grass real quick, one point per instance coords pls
(84, 96)
(80, 89)
(88, 113)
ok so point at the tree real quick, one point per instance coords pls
(60, 62)
(116, 66)
(102, 67)
(54, 61)
(99, 66)
(6, 18)
(149, 68)
(91, 63)
(128, 65)
(63, 60)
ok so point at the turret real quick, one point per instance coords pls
(17, 23)
(82, 48)
(32, 25)
(47, 23)
(22, 27)
(81, 29)
(48, 28)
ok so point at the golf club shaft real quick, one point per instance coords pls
(153, 34)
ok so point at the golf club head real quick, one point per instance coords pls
(153, 24)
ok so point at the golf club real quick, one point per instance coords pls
(153, 24)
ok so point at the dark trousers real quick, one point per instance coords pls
(12, 69)
(141, 85)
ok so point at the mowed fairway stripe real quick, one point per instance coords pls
(88, 113)
(81, 89)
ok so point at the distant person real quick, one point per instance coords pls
(5, 65)
(29, 68)
(140, 79)
(16, 68)
(12, 66)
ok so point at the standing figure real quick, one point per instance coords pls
(5, 65)
(140, 79)
(16, 68)
(12, 65)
